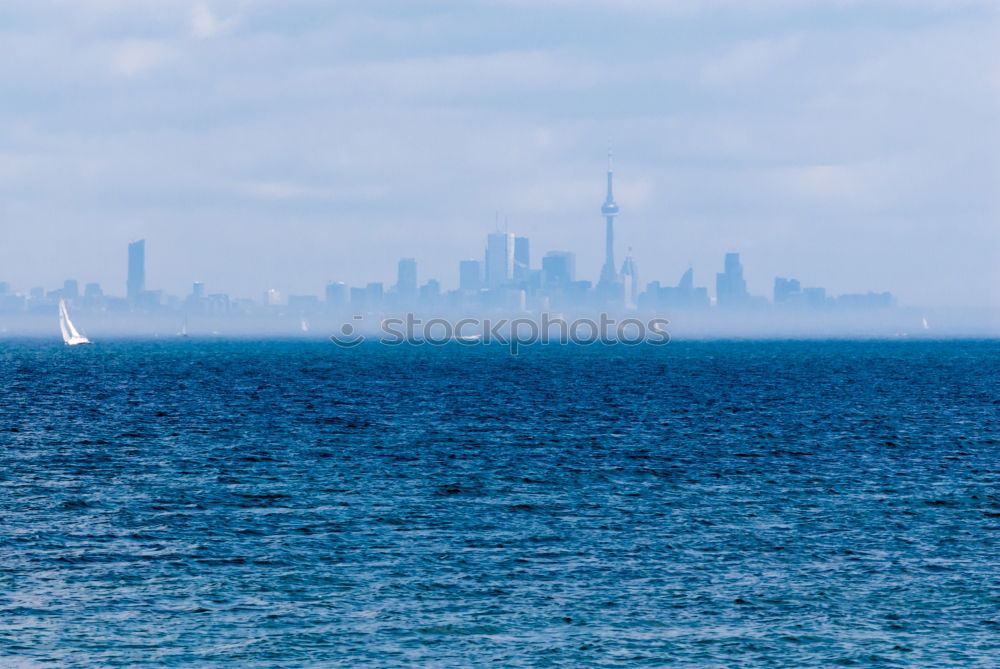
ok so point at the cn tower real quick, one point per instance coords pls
(609, 276)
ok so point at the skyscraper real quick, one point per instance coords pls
(682, 296)
(136, 283)
(785, 289)
(558, 269)
(406, 280)
(195, 302)
(430, 292)
(337, 294)
(522, 259)
(730, 286)
(630, 281)
(499, 259)
(71, 290)
(470, 275)
(815, 297)
(610, 209)
(374, 292)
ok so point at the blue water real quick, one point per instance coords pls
(283, 504)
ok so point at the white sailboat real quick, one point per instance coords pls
(70, 335)
(303, 324)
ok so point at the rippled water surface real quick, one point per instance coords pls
(291, 504)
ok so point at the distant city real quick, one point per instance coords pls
(505, 279)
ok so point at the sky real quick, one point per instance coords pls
(283, 144)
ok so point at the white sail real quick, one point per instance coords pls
(303, 324)
(71, 336)
(66, 335)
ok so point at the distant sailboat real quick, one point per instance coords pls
(70, 335)
(303, 324)
(184, 329)
(925, 325)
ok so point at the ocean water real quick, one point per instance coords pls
(706, 504)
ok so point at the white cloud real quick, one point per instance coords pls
(205, 24)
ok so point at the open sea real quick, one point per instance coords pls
(198, 503)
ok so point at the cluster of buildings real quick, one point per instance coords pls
(504, 279)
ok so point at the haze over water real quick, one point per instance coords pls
(208, 503)
(325, 274)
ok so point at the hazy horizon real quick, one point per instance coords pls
(287, 144)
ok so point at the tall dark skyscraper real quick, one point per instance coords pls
(609, 276)
(136, 283)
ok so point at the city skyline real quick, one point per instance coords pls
(498, 243)
(257, 145)
(505, 278)
(570, 333)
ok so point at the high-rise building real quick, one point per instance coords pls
(71, 289)
(406, 280)
(337, 294)
(430, 292)
(682, 296)
(499, 259)
(522, 259)
(686, 283)
(730, 287)
(374, 293)
(785, 289)
(866, 301)
(630, 281)
(93, 296)
(195, 302)
(136, 283)
(815, 297)
(609, 276)
(470, 275)
(558, 269)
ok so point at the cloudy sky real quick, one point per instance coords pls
(286, 143)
